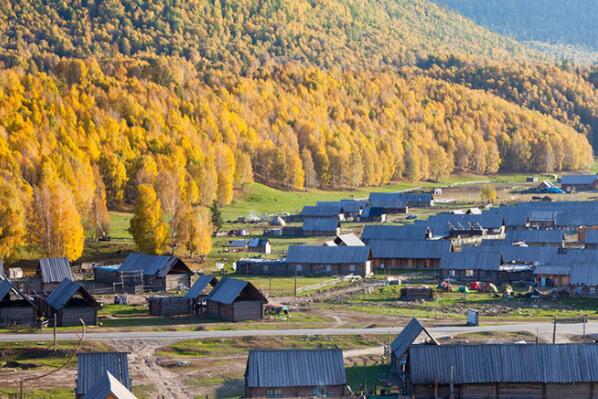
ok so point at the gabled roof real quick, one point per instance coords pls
(321, 224)
(584, 274)
(409, 334)
(349, 240)
(578, 179)
(547, 216)
(393, 232)
(229, 289)
(65, 291)
(471, 260)
(348, 205)
(54, 270)
(577, 218)
(200, 285)
(6, 288)
(536, 236)
(257, 242)
(371, 212)
(527, 254)
(152, 265)
(92, 367)
(109, 386)
(321, 211)
(387, 200)
(268, 368)
(327, 255)
(503, 363)
(410, 249)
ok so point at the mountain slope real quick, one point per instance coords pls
(241, 35)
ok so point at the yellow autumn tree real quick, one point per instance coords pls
(12, 220)
(149, 230)
(195, 230)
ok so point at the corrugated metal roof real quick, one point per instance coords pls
(54, 270)
(257, 242)
(503, 363)
(151, 265)
(327, 255)
(591, 237)
(109, 387)
(471, 260)
(92, 366)
(390, 232)
(542, 216)
(320, 211)
(552, 270)
(349, 240)
(537, 236)
(410, 249)
(578, 179)
(577, 218)
(566, 256)
(527, 254)
(409, 334)
(295, 368)
(60, 296)
(5, 289)
(200, 285)
(321, 224)
(370, 212)
(228, 289)
(584, 274)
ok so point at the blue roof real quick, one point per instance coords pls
(579, 179)
(92, 366)
(327, 255)
(269, 368)
(62, 294)
(410, 249)
(200, 285)
(228, 290)
(321, 224)
(151, 265)
(393, 232)
(109, 386)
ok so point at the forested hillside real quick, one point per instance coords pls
(553, 21)
(173, 106)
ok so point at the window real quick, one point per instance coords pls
(469, 273)
(321, 392)
(265, 268)
(453, 273)
(352, 268)
(273, 393)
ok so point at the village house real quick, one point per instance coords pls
(262, 266)
(255, 245)
(483, 265)
(389, 203)
(92, 368)
(109, 387)
(408, 254)
(576, 220)
(352, 208)
(345, 240)
(69, 303)
(321, 227)
(575, 183)
(199, 291)
(542, 219)
(413, 333)
(319, 212)
(395, 233)
(16, 309)
(295, 373)
(236, 300)
(372, 215)
(554, 238)
(155, 273)
(584, 280)
(51, 272)
(323, 260)
(549, 276)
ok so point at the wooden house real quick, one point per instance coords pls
(155, 273)
(236, 300)
(583, 280)
(483, 265)
(575, 183)
(259, 245)
(346, 240)
(408, 254)
(531, 371)
(323, 260)
(263, 266)
(537, 238)
(321, 227)
(542, 219)
(92, 368)
(295, 373)
(388, 203)
(372, 215)
(549, 276)
(51, 272)
(109, 387)
(323, 212)
(70, 302)
(413, 333)
(16, 308)
(199, 291)
(378, 232)
(168, 306)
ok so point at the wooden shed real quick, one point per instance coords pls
(417, 294)
(199, 291)
(236, 300)
(70, 302)
(408, 254)
(413, 333)
(324, 260)
(52, 271)
(157, 273)
(92, 368)
(16, 308)
(321, 227)
(295, 373)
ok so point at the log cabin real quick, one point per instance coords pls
(70, 302)
(332, 261)
(236, 300)
(155, 273)
(16, 308)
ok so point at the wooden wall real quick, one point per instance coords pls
(509, 391)
(237, 311)
(432, 263)
(169, 306)
(17, 313)
(334, 391)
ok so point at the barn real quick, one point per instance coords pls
(483, 265)
(155, 273)
(52, 271)
(574, 183)
(325, 260)
(92, 368)
(295, 373)
(70, 302)
(395, 233)
(262, 266)
(321, 227)
(323, 211)
(236, 300)
(542, 371)
(15, 307)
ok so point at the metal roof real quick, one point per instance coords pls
(503, 363)
(327, 255)
(552, 270)
(471, 260)
(590, 237)
(321, 211)
(109, 387)
(348, 205)
(257, 242)
(228, 290)
(62, 294)
(527, 254)
(370, 212)
(410, 249)
(577, 218)
(578, 179)
(92, 366)
(295, 368)
(349, 240)
(321, 224)
(537, 236)
(200, 285)
(412, 330)
(542, 216)
(5, 289)
(54, 270)
(151, 265)
(393, 232)
(584, 274)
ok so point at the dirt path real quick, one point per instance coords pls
(143, 362)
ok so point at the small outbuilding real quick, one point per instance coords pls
(92, 368)
(52, 271)
(413, 333)
(109, 387)
(168, 306)
(155, 273)
(321, 227)
(236, 300)
(199, 291)
(295, 373)
(259, 245)
(70, 302)
(16, 308)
